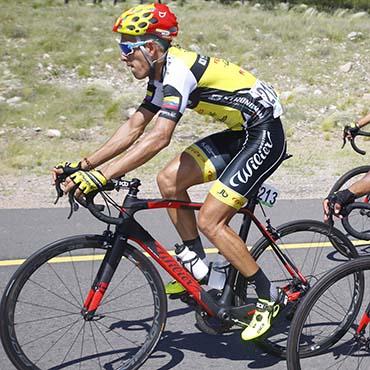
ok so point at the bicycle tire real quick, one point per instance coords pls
(347, 354)
(42, 326)
(314, 249)
(357, 220)
(349, 178)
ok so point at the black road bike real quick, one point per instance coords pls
(98, 301)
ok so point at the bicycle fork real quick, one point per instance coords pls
(106, 270)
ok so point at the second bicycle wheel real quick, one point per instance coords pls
(329, 301)
(313, 249)
(348, 178)
(41, 322)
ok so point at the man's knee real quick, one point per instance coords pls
(207, 226)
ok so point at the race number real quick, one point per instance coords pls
(269, 97)
(267, 195)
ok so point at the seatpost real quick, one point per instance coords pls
(246, 223)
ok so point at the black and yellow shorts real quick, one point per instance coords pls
(239, 160)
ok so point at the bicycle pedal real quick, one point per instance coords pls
(181, 295)
(184, 297)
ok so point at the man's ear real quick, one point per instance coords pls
(153, 49)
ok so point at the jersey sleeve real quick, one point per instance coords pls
(153, 97)
(178, 83)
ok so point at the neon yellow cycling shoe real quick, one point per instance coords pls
(265, 312)
(174, 287)
(175, 290)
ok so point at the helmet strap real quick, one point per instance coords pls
(151, 61)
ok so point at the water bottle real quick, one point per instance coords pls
(218, 273)
(191, 261)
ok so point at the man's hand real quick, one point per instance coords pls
(350, 131)
(66, 168)
(336, 202)
(87, 181)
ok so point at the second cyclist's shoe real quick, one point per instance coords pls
(265, 312)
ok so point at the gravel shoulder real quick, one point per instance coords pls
(37, 192)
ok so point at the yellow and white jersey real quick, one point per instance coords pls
(211, 86)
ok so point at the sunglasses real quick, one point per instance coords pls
(127, 48)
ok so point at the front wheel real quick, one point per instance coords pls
(348, 178)
(314, 249)
(41, 322)
(330, 301)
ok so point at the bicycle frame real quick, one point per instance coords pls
(130, 229)
(365, 321)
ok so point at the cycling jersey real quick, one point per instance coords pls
(211, 86)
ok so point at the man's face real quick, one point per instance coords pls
(135, 61)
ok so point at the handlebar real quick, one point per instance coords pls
(88, 202)
(352, 139)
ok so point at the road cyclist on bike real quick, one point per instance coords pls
(361, 187)
(239, 158)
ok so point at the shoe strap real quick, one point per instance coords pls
(264, 306)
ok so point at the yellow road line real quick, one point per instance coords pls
(17, 262)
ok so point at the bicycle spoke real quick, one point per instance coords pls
(50, 327)
(78, 305)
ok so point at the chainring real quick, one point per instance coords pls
(208, 324)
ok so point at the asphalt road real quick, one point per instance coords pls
(183, 346)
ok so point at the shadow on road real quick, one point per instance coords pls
(226, 346)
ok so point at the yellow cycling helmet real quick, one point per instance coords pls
(156, 19)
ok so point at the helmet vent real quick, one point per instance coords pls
(142, 24)
(135, 19)
(153, 20)
(146, 15)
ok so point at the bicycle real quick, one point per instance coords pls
(353, 344)
(97, 301)
(336, 289)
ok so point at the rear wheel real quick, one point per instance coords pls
(314, 250)
(41, 322)
(358, 219)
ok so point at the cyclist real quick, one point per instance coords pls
(358, 189)
(239, 158)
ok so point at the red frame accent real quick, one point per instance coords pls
(365, 320)
(177, 271)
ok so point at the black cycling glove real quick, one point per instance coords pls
(342, 197)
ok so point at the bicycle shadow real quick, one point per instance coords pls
(227, 346)
(346, 347)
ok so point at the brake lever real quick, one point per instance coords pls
(58, 189)
(330, 221)
(72, 202)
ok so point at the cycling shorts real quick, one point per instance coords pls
(240, 161)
